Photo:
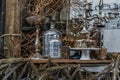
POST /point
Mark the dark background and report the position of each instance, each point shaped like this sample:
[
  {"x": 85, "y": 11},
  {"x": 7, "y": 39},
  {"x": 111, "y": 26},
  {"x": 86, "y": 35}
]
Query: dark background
[{"x": 2, "y": 22}]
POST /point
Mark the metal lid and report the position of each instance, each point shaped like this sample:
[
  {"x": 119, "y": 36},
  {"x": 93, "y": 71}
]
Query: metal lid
[{"x": 52, "y": 30}]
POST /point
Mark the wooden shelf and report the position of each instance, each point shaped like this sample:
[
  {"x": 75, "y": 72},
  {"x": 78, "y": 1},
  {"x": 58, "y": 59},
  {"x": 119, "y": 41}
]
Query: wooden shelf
[{"x": 71, "y": 61}]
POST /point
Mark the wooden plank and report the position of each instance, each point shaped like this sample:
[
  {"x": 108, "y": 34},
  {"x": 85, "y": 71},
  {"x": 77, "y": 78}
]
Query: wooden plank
[
  {"x": 57, "y": 61},
  {"x": 17, "y": 26},
  {"x": 70, "y": 61},
  {"x": 10, "y": 12},
  {"x": 9, "y": 25},
  {"x": 12, "y": 27}
]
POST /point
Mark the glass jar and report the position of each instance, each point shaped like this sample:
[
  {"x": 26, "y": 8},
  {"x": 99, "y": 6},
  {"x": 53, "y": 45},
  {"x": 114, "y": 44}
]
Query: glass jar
[
  {"x": 55, "y": 48},
  {"x": 47, "y": 37}
]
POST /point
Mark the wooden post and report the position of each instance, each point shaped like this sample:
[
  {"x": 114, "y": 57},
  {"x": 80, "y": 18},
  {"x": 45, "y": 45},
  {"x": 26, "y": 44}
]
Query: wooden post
[
  {"x": 17, "y": 27},
  {"x": 12, "y": 26},
  {"x": 10, "y": 8}
]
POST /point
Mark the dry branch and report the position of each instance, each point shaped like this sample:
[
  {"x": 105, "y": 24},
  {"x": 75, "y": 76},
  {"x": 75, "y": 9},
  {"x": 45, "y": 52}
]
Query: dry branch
[
  {"x": 12, "y": 70},
  {"x": 107, "y": 70},
  {"x": 75, "y": 72},
  {"x": 23, "y": 71},
  {"x": 115, "y": 70},
  {"x": 13, "y": 60}
]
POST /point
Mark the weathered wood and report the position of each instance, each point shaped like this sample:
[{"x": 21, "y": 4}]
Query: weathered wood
[
  {"x": 13, "y": 60},
  {"x": 12, "y": 27},
  {"x": 10, "y": 12},
  {"x": 9, "y": 23},
  {"x": 70, "y": 61},
  {"x": 108, "y": 69},
  {"x": 12, "y": 71},
  {"x": 22, "y": 72},
  {"x": 75, "y": 72},
  {"x": 57, "y": 61},
  {"x": 116, "y": 69},
  {"x": 49, "y": 68},
  {"x": 17, "y": 26}
]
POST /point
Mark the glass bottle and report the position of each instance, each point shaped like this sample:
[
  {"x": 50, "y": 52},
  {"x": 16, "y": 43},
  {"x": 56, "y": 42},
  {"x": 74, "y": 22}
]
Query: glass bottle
[
  {"x": 55, "y": 48},
  {"x": 47, "y": 37}
]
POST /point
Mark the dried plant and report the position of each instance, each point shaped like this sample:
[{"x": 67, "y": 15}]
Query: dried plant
[
  {"x": 19, "y": 68},
  {"x": 40, "y": 7}
]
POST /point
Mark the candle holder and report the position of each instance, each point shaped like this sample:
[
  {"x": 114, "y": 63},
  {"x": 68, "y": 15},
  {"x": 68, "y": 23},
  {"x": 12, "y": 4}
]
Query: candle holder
[{"x": 37, "y": 21}]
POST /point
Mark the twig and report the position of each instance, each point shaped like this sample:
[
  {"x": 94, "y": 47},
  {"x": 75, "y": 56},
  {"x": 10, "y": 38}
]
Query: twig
[
  {"x": 115, "y": 71},
  {"x": 75, "y": 72},
  {"x": 8, "y": 74},
  {"x": 23, "y": 70}
]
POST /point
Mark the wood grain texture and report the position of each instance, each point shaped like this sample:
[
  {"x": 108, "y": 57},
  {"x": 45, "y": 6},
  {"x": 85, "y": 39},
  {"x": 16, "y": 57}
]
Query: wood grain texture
[
  {"x": 12, "y": 26},
  {"x": 71, "y": 61}
]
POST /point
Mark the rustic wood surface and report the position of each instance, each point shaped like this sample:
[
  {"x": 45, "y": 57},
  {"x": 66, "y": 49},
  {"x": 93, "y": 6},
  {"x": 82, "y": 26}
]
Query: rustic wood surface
[
  {"x": 71, "y": 61},
  {"x": 63, "y": 61},
  {"x": 12, "y": 26}
]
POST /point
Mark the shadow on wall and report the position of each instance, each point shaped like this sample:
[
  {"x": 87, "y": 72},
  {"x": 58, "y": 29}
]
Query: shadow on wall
[{"x": 2, "y": 22}]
